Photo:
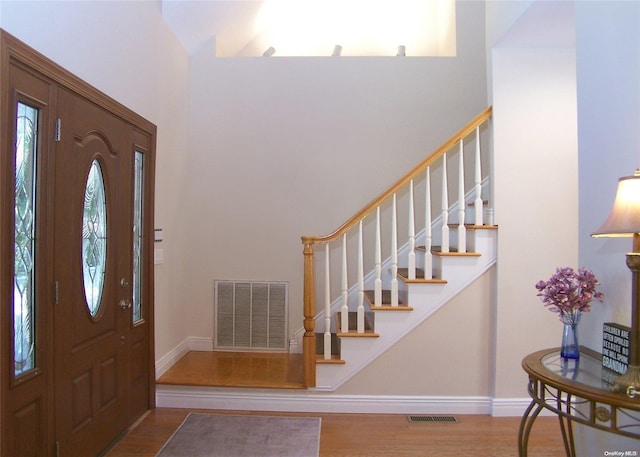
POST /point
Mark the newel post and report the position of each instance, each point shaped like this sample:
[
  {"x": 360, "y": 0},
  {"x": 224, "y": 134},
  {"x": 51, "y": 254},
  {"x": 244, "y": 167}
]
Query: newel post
[{"x": 309, "y": 340}]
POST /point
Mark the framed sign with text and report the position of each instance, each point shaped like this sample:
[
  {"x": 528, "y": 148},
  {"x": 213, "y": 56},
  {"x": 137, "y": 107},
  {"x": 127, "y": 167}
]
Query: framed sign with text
[{"x": 615, "y": 347}]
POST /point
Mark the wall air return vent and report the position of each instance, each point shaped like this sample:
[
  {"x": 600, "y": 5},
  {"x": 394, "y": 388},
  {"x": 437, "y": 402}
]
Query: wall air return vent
[{"x": 251, "y": 316}]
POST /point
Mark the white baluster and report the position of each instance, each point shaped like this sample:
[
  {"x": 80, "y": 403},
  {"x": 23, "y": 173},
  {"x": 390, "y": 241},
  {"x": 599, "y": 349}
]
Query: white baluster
[
  {"x": 428, "y": 261},
  {"x": 360, "y": 309},
  {"x": 377, "y": 288},
  {"x": 344, "y": 311},
  {"x": 478, "y": 183},
  {"x": 327, "y": 305},
  {"x": 412, "y": 236},
  {"x": 394, "y": 254},
  {"x": 462, "y": 230},
  {"x": 445, "y": 206}
]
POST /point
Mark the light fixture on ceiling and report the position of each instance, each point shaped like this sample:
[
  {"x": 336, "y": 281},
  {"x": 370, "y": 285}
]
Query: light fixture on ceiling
[
  {"x": 337, "y": 50},
  {"x": 402, "y": 50},
  {"x": 624, "y": 221},
  {"x": 269, "y": 52}
]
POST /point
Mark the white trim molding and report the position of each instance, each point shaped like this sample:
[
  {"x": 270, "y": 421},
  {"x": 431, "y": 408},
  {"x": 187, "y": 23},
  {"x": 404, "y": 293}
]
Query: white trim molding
[
  {"x": 509, "y": 407},
  {"x": 283, "y": 400},
  {"x": 190, "y": 344},
  {"x": 304, "y": 401}
]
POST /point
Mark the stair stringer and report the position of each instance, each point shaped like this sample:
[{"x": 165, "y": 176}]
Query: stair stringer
[{"x": 425, "y": 299}]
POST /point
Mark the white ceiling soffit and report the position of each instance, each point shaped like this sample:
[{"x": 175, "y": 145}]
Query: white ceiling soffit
[
  {"x": 196, "y": 22},
  {"x": 241, "y": 28},
  {"x": 543, "y": 25}
]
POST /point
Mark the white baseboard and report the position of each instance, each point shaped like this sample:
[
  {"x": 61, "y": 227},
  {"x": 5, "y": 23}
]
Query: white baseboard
[
  {"x": 190, "y": 344},
  {"x": 200, "y": 343},
  {"x": 170, "y": 358},
  {"x": 509, "y": 407},
  {"x": 504, "y": 407},
  {"x": 306, "y": 401},
  {"x": 315, "y": 400}
]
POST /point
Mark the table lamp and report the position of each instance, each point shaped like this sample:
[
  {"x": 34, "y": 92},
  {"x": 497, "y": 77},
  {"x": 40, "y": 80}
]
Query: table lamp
[{"x": 624, "y": 221}]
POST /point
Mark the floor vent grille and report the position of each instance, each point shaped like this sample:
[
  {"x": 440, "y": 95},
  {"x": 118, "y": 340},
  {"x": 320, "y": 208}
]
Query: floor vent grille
[{"x": 433, "y": 419}]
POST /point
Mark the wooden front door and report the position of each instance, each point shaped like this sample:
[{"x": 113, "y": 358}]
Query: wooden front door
[
  {"x": 92, "y": 273},
  {"x": 77, "y": 276}
]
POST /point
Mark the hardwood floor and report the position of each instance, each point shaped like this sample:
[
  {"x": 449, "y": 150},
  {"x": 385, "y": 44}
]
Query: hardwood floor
[
  {"x": 375, "y": 435},
  {"x": 237, "y": 369},
  {"x": 342, "y": 435}
]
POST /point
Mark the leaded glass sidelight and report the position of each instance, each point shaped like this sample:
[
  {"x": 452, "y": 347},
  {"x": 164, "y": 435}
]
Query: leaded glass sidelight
[
  {"x": 137, "y": 235},
  {"x": 24, "y": 244},
  {"x": 94, "y": 238}
]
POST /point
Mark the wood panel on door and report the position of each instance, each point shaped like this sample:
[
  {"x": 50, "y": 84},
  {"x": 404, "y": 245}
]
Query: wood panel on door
[{"x": 90, "y": 325}]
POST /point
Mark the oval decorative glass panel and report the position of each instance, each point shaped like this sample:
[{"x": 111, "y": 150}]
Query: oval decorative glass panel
[{"x": 94, "y": 238}]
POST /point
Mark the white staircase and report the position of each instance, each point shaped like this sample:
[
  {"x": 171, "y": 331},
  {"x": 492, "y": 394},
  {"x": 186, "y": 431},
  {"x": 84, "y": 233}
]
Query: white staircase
[
  {"x": 420, "y": 299},
  {"x": 358, "y": 320}
]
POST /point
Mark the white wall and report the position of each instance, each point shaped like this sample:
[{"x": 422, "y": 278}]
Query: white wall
[
  {"x": 284, "y": 147},
  {"x": 609, "y": 129},
  {"x": 449, "y": 353},
  {"x": 125, "y": 50},
  {"x": 536, "y": 181},
  {"x": 248, "y": 159},
  {"x": 499, "y": 18},
  {"x": 267, "y": 130},
  {"x": 608, "y": 63}
]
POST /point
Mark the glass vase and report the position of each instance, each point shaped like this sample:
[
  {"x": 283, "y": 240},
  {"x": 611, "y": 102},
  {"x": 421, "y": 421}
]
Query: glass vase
[{"x": 570, "y": 349}]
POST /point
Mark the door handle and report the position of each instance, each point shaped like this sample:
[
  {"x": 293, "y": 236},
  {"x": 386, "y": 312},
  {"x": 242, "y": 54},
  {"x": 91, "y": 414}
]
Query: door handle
[{"x": 125, "y": 304}]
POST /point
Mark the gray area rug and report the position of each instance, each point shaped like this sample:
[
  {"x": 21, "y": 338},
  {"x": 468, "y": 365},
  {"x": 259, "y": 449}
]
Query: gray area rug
[{"x": 217, "y": 435}]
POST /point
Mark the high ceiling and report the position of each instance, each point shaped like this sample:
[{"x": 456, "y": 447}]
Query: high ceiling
[
  {"x": 310, "y": 27},
  {"x": 229, "y": 22}
]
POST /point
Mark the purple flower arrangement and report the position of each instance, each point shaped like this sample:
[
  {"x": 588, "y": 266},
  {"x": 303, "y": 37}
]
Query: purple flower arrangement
[{"x": 569, "y": 292}]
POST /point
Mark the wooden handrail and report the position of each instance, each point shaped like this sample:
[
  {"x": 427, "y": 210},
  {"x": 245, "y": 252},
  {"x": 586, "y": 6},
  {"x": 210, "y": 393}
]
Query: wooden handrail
[{"x": 446, "y": 146}]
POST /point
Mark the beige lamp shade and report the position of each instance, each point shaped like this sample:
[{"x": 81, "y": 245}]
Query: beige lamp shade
[{"x": 624, "y": 219}]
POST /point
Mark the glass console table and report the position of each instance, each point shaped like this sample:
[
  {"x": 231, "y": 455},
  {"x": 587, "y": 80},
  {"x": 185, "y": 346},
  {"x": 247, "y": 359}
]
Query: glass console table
[{"x": 577, "y": 391}]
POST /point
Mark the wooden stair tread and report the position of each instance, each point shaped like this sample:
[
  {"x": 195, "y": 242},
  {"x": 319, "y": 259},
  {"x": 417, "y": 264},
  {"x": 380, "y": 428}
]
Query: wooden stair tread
[
  {"x": 334, "y": 360},
  {"x": 480, "y": 227},
  {"x": 355, "y": 334},
  {"x": 391, "y": 308},
  {"x": 475, "y": 227},
  {"x": 451, "y": 253},
  {"x": 423, "y": 281},
  {"x": 404, "y": 275}
]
